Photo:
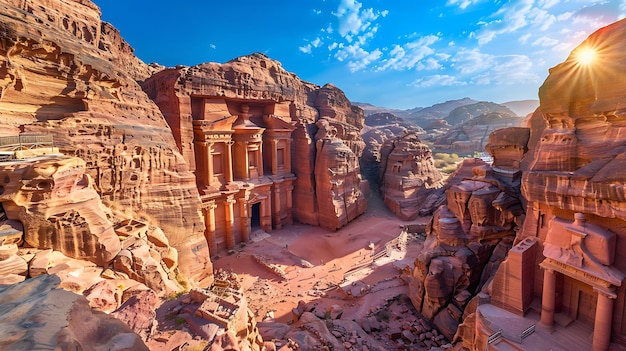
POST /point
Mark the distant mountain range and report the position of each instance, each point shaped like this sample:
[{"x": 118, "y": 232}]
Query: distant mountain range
[{"x": 419, "y": 115}]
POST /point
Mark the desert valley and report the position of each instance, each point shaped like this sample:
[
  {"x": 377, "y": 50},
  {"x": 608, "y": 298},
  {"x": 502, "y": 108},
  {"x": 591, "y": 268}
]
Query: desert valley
[{"x": 236, "y": 206}]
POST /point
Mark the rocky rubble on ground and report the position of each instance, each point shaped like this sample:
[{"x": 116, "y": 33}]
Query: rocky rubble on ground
[{"x": 393, "y": 326}]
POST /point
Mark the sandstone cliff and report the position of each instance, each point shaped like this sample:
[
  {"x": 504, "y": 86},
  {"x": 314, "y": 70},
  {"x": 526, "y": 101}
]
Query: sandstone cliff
[
  {"x": 408, "y": 174},
  {"x": 570, "y": 245},
  {"x": 478, "y": 213},
  {"x": 68, "y": 74}
]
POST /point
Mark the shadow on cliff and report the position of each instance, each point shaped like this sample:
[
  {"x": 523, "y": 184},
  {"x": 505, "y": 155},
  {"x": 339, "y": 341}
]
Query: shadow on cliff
[{"x": 58, "y": 108}]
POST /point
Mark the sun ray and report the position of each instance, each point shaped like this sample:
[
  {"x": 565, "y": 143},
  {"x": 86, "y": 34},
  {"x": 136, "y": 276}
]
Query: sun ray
[{"x": 586, "y": 56}]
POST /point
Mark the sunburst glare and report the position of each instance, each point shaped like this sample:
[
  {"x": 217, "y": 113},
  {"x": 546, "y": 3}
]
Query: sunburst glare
[{"x": 586, "y": 56}]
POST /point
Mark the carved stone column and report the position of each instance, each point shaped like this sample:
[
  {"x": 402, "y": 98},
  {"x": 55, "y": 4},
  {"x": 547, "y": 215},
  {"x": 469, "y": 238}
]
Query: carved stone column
[
  {"x": 259, "y": 159},
  {"x": 266, "y": 218},
  {"x": 289, "y": 204},
  {"x": 245, "y": 221},
  {"x": 228, "y": 171},
  {"x": 209, "y": 232},
  {"x": 287, "y": 157},
  {"x": 242, "y": 164},
  {"x": 276, "y": 208},
  {"x": 274, "y": 150},
  {"x": 603, "y": 322},
  {"x": 230, "y": 222},
  {"x": 209, "y": 158},
  {"x": 548, "y": 297}
]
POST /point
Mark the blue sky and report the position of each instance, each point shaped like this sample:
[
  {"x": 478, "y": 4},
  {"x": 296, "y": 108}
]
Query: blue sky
[{"x": 398, "y": 53}]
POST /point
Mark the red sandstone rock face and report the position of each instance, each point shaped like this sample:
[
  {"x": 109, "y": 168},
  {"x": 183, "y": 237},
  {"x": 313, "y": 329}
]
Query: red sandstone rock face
[
  {"x": 340, "y": 190},
  {"x": 581, "y": 144},
  {"x": 408, "y": 174},
  {"x": 59, "y": 208},
  {"x": 53, "y": 318},
  {"x": 262, "y": 83},
  {"x": 470, "y": 234},
  {"x": 77, "y": 82},
  {"x": 573, "y": 179}
]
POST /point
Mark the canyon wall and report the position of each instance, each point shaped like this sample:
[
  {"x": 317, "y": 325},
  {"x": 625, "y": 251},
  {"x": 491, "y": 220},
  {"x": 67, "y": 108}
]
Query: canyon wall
[
  {"x": 67, "y": 74},
  {"x": 569, "y": 253},
  {"x": 573, "y": 180}
]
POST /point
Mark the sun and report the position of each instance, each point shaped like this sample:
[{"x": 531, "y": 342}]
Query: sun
[{"x": 586, "y": 56}]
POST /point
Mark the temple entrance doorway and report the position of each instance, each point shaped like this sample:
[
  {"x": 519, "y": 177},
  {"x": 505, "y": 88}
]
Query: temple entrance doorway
[
  {"x": 580, "y": 300},
  {"x": 587, "y": 306},
  {"x": 255, "y": 218}
]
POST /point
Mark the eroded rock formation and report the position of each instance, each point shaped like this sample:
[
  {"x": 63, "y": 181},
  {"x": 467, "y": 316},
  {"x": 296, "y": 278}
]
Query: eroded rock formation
[
  {"x": 568, "y": 253},
  {"x": 70, "y": 75},
  {"x": 341, "y": 192},
  {"x": 574, "y": 183},
  {"x": 49, "y": 317},
  {"x": 469, "y": 235},
  {"x": 407, "y": 174},
  {"x": 59, "y": 208}
]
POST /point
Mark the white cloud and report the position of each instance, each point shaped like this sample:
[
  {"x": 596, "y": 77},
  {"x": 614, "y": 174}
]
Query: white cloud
[
  {"x": 545, "y": 42},
  {"x": 463, "y": 4},
  {"x": 468, "y": 61},
  {"x": 507, "y": 70},
  {"x": 430, "y": 64},
  {"x": 481, "y": 68},
  {"x": 546, "y": 4},
  {"x": 212, "y": 46},
  {"x": 333, "y": 46},
  {"x": 524, "y": 38},
  {"x": 305, "y": 49},
  {"x": 541, "y": 18},
  {"x": 408, "y": 55},
  {"x": 353, "y": 20},
  {"x": 358, "y": 58},
  {"x": 317, "y": 42},
  {"x": 317, "y": 12},
  {"x": 436, "y": 80},
  {"x": 362, "y": 39},
  {"x": 508, "y": 19},
  {"x": 565, "y": 16}
]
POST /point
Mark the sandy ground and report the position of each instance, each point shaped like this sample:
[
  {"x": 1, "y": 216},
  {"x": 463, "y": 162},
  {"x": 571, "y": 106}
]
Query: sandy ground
[{"x": 337, "y": 259}]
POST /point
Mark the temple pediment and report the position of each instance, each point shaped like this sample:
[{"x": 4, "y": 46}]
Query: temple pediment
[{"x": 583, "y": 251}]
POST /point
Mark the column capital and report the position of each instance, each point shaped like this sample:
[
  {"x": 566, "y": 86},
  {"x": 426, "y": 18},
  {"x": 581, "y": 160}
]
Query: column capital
[{"x": 606, "y": 292}]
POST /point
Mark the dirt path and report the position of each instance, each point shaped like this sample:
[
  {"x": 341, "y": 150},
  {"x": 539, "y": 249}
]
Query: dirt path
[{"x": 318, "y": 263}]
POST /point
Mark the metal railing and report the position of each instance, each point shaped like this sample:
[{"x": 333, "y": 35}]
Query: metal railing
[{"x": 25, "y": 142}]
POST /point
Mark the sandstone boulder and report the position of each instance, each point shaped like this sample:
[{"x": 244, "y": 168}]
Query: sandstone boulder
[{"x": 50, "y": 317}]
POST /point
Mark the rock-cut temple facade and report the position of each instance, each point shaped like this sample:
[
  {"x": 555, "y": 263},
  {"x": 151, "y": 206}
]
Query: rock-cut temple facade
[
  {"x": 260, "y": 140},
  {"x": 241, "y": 152}
]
